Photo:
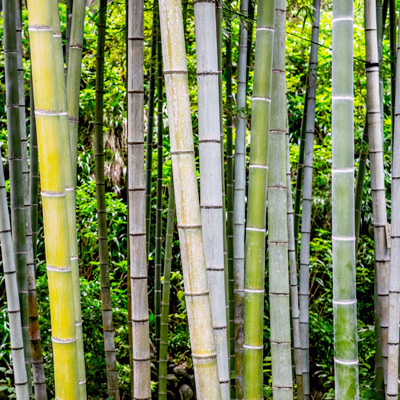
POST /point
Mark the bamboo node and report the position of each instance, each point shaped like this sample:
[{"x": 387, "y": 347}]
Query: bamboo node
[{"x": 63, "y": 340}]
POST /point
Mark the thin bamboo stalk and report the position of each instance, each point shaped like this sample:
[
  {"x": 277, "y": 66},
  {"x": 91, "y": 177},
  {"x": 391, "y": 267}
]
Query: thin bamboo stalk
[
  {"x": 343, "y": 232},
  {"x": 159, "y": 205},
  {"x": 53, "y": 199},
  {"x": 136, "y": 188},
  {"x": 250, "y": 38},
  {"x": 13, "y": 308},
  {"x": 394, "y": 284},
  {"x": 256, "y": 205},
  {"x": 104, "y": 258},
  {"x": 307, "y": 201},
  {"x": 14, "y": 125},
  {"x": 149, "y": 138},
  {"x": 375, "y": 136},
  {"x": 239, "y": 199},
  {"x": 210, "y": 178},
  {"x": 294, "y": 288},
  {"x": 187, "y": 202},
  {"x": 73, "y": 89},
  {"x": 279, "y": 292},
  {"x": 162, "y": 363}
]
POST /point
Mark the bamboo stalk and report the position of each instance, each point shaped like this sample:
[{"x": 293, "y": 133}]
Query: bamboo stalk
[
  {"x": 239, "y": 199},
  {"x": 393, "y": 56},
  {"x": 257, "y": 196},
  {"x": 162, "y": 363},
  {"x": 394, "y": 284},
  {"x": 15, "y": 157},
  {"x": 375, "y": 136},
  {"x": 307, "y": 201},
  {"x": 343, "y": 232},
  {"x": 136, "y": 187},
  {"x": 294, "y": 289},
  {"x": 13, "y": 307},
  {"x": 210, "y": 178},
  {"x": 53, "y": 199},
  {"x": 279, "y": 297},
  {"x": 104, "y": 258},
  {"x": 187, "y": 202}
]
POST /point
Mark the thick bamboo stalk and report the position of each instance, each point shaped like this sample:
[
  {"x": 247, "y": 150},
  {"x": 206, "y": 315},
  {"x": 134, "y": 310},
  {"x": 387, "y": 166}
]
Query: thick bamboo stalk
[
  {"x": 149, "y": 136},
  {"x": 279, "y": 292},
  {"x": 294, "y": 288},
  {"x": 375, "y": 136},
  {"x": 256, "y": 205},
  {"x": 392, "y": 389},
  {"x": 210, "y": 178},
  {"x": 54, "y": 199},
  {"x": 162, "y": 363},
  {"x": 239, "y": 199},
  {"x": 187, "y": 202},
  {"x": 250, "y": 39},
  {"x": 343, "y": 233},
  {"x": 7, "y": 252},
  {"x": 307, "y": 201},
  {"x": 159, "y": 205},
  {"x": 68, "y": 33},
  {"x": 15, "y": 158},
  {"x": 104, "y": 258},
  {"x": 73, "y": 89},
  {"x": 136, "y": 187}
]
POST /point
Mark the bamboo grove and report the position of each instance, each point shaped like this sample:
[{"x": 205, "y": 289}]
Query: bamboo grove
[{"x": 233, "y": 177}]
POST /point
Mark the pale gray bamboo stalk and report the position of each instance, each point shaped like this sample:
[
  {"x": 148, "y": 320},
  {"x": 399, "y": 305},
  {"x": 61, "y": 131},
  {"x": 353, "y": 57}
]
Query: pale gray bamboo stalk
[
  {"x": 294, "y": 288},
  {"x": 392, "y": 389},
  {"x": 239, "y": 209},
  {"x": 279, "y": 297},
  {"x": 137, "y": 204},
  {"x": 375, "y": 139},
  {"x": 343, "y": 232},
  {"x": 187, "y": 202},
  {"x": 210, "y": 178},
  {"x": 307, "y": 201},
  {"x": 13, "y": 308}
]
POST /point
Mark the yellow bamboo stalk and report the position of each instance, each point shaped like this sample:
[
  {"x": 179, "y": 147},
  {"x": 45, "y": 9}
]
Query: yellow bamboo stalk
[{"x": 54, "y": 202}]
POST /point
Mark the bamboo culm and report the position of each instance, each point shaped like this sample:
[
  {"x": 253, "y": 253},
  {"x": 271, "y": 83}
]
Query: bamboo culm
[
  {"x": 256, "y": 210},
  {"x": 343, "y": 232},
  {"x": 136, "y": 188},
  {"x": 239, "y": 200},
  {"x": 375, "y": 140},
  {"x": 17, "y": 192},
  {"x": 162, "y": 362},
  {"x": 392, "y": 389},
  {"x": 210, "y": 178},
  {"x": 104, "y": 258},
  {"x": 307, "y": 201},
  {"x": 51, "y": 151},
  {"x": 187, "y": 202}
]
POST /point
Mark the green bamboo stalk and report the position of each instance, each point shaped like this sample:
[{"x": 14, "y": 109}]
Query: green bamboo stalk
[
  {"x": 307, "y": 200},
  {"x": 294, "y": 288},
  {"x": 159, "y": 205},
  {"x": 211, "y": 177},
  {"x": 394, "y": 285},
  {"x": 393, "y": 56},
  {"x": 51, "y": 150},
  {"x": 149, "y": 136},
  {"x": 104, "y": 258},
  {"x": 279, "y": 297},
  {"x": 16, "y": 171},
  {"x": 362, "y": 167},
  {"x": 257, "y": 196},
  {"x": 250, "y": 39},
  {"x": 239, "y": 199},
  {"x": 73, "y": 89},
  {"x": 343, "y": 232},
  {"x": 68, "y": 33},
  {"x": 136, "y": 188},
  {"x": 7, "y": 252},
  {"x": 375, "y": 136},
  {"x": 162, "y": 363},
  {"x": 187, "y": 202}
]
